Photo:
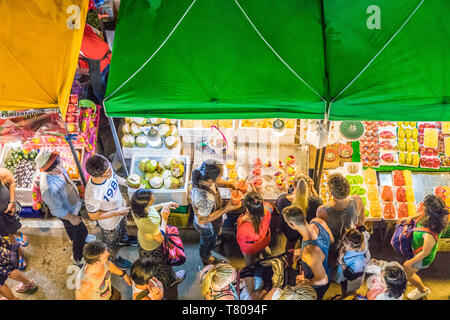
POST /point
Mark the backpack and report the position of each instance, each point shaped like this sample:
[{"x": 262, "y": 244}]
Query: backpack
[
  {"x": 173, "y": 247},
  {"x": 401, "y": 241}
]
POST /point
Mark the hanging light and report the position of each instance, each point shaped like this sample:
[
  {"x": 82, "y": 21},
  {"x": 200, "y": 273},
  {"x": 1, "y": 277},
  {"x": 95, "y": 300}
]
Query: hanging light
[{"x": 279, "y": 127}]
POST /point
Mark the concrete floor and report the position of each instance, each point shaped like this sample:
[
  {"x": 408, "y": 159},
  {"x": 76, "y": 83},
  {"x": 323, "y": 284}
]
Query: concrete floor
[{"x": 49, "y": 253}]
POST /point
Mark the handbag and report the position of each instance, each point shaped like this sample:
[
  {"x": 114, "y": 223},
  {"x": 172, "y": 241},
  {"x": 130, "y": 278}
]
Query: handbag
[
  {"x": 172, "y": 247},
  {"x": 10, "y": 224}
]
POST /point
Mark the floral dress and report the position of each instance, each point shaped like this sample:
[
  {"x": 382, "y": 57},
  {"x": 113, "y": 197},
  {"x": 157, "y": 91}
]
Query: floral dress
[{"x": 7, "y": 260}]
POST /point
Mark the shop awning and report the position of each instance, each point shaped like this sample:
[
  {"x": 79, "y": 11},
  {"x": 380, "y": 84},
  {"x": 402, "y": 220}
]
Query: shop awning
[
  {"x": 39, "y": 46},
  {"x": 202, "y": 59}
]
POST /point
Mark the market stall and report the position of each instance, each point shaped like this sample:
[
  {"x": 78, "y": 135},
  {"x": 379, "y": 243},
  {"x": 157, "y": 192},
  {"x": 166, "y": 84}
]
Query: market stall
[{"x": 350, "y": 66}]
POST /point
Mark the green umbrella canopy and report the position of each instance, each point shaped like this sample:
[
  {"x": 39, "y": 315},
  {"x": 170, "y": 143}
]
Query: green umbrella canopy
[{"x": 205, "y": 59}]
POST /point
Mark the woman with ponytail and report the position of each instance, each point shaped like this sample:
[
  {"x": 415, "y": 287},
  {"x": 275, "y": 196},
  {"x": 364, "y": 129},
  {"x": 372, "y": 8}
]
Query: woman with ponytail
[
  {"x": 208, "y": 206},
  {"x": 432, "y": 223},
  {"x": 303, "y": 195}
]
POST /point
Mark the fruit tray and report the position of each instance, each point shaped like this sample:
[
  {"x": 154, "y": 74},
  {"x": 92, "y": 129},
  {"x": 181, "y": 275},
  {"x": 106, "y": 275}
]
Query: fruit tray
[
  {"x": 163, "y": 195},
  {"x": 389, "y": 211},
  {"x": 23, "y": 195}
]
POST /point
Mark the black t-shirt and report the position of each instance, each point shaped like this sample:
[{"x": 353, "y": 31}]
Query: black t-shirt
[{"x": 282, "y": 202}]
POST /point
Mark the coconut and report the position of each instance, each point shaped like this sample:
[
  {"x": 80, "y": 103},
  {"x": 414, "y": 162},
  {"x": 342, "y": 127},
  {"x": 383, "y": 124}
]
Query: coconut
[
  {"x": 129, "y": 120},
  {"x": 150, "y": 166},
  {"x": 128, "y": 141},
  {"x": 126, "y": 128},
  {"x": 170, "y": 142},
  {"x": 135, "y": 129},
  {"x": 173, "y": 121},
  {"x": 180, "y": 182},
  {"x": 140, "y": 121},
  {"x": 178, "y": 170},
  {"x": 173, "y": 130},
  {"x": 145, "y": 184},
  {"x": 141, "y": 141},
  {"x": 164, "y": 130},
  {"x": 171, "y": 183},
  {"x": 154, "y": 139},
  {"x": 148, "y": 176},
  {"x": 154, "y": 121},
  {"x": 142, "y": 164},
  {"x": 167, "y": 163},
  {"x": 156, "y": 182},
  {"x": 166, "y": 174},
  {"x": 134, "y": 181}
]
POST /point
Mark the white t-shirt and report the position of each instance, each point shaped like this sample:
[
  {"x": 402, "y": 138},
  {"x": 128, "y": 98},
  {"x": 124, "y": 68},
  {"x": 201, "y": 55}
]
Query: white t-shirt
[{"x": 104, "y": 197}]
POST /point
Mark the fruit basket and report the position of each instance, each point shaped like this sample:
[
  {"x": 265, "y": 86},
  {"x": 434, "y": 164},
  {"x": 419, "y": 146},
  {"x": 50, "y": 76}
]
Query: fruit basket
[{"x": 162, "y": 174}]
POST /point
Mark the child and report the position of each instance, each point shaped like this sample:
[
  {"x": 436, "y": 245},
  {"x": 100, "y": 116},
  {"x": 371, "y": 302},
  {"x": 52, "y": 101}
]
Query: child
[
  {"x": 353, "y": 257},
  {"x": 388, "y": 282},
  {"x": 145, "y": 285}
]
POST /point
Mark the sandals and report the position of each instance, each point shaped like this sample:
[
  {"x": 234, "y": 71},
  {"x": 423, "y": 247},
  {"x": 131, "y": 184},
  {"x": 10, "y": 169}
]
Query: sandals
[
  {"x": 22, "y": 263},
  {"x": 213, "y": 261},
  {"x": 22, "y": 240},
  {"x": 21, "y": 288}
]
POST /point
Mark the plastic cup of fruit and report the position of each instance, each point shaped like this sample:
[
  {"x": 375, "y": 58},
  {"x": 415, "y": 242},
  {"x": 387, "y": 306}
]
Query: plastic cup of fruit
[
  {"x": 236, "y": 197},
  {"x": 242, "y": 185}
]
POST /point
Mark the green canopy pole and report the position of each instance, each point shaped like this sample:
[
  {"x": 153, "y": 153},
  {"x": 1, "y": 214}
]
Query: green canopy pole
[{"x": 117, "y": 143}]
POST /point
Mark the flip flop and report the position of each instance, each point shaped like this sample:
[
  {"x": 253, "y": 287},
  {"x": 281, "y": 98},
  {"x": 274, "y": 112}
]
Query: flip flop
[
  {"x": 22, "y": 264},
  {"x": 22, "y": 240}
]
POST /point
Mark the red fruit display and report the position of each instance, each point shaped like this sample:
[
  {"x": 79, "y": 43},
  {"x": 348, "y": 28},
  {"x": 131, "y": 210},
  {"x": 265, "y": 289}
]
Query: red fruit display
[
  {"x": 400, "y": 194},
  {"x": 402, "y": 211},
  {"x": 430, "y": 162},
  {"x": 389, "y": 211},
  {"x": 387, "y": 135},
  {"x": 386, "y": 145},
  {"x": 387, "y": 194},
  {"x": 399, "y": 180}
]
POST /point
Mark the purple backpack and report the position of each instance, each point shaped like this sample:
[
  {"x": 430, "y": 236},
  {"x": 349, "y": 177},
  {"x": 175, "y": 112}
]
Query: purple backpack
[{"x": 402, "y": 239}]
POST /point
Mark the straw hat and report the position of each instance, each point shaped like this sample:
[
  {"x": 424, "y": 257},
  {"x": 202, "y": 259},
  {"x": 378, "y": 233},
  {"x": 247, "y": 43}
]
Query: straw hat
[{"x": 45, "y": 159}]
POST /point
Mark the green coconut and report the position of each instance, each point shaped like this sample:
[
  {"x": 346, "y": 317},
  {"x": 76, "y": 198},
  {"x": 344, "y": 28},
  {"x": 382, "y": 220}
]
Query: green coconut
[
  {"x": 134, "y": 181},
  {"x": 171, "y": 183},
  {"x": 128, "y": 141},
  {"x": 151, "y": 166},
  {"x": 156, "y": 182},
  {"x": 142, "y": 164}
]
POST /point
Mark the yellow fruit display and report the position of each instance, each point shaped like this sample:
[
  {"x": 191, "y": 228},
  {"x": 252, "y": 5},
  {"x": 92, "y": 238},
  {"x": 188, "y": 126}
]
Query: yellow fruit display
[
  {"x": 416, "y": 146},
  {"x": 370, "y": 176},
  {"x": 401, "y": 146},
  {"x": 415, "y": 133},
  {"x": 401, "y": 133},
  {"x": 412, "y": 209},
  {"x": 409, "y": 194},
  {"x": 375, "y": 209},
  {"x": 445, "y": 126},
  {"x": 447, "y": 146},
  {"x": 412, "y": 124},
  {"x": 416, "y": 160},
  {"x": 408, "y": 134},
  {"x": 407, "y": 175},
  {"x": 409, "y": 159},
  {"x": 372, "y": 193},
  {"x": 430, "y": 138},
  {"x": 402, "y": 158},
  {"x": 409, "y": 146},
  {"x": 400, "y": 124}
]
